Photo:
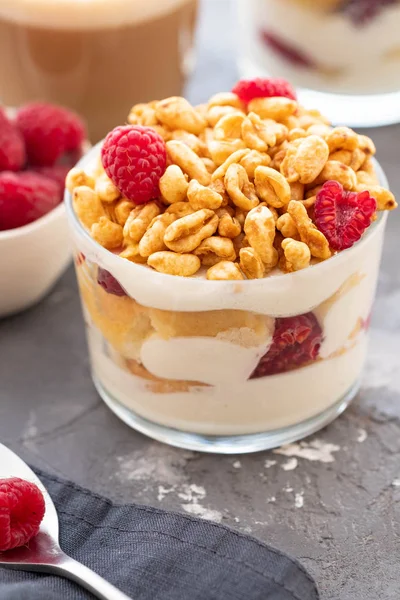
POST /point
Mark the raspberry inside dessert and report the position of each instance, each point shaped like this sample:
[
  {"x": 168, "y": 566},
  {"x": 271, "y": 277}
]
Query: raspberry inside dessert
[{"x": 296, "y": 342}]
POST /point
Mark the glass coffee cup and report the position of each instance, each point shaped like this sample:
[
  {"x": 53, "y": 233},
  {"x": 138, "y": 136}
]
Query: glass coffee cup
[
  {"x": 343, "y": 54},
  {"x": 185, "y": 360},
  {"x": 95, "y": 56}
]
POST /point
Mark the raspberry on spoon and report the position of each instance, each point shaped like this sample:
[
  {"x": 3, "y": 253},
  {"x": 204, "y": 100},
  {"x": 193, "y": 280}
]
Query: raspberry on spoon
[
  {"x": 25, "y": 197},
  {"x": 248, "y": 89},
  {"x": 22, "y": 509},
  {"x": 343, "y": 216},
  {"x": 135, "y": 157}
]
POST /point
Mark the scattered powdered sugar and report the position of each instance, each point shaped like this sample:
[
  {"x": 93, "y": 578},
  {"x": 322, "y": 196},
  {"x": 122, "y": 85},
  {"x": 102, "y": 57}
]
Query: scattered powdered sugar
[
  {"x": 163, "y": 492},
  {"x": 269, "y": 463},
  {"x": 290, "y": 465},
  {"x": 154, "y": 464},
  {"x": 361, "y": 435},
  {"x": 237, "y": 464},
  {"x": 204, "y": 513},
  {"x": 271, "y": 499},
  {"x": 299, "y": 500},
  {"x": 288, "y": 489},
  {"x": 192, "y": 494},
  {"x": 396, "y": 483},
  {"x": 316, "y": 450}
]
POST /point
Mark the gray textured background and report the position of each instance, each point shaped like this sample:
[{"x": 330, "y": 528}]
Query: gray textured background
[{"x": 340, "y": 518}]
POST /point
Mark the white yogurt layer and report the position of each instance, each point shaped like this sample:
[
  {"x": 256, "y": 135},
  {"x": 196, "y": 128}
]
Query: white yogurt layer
[
  {"x": 204, "y": 359},
  {"x": 351, "y": 59},
  {"x": 85, "y": 14},
  {"x": 237, "y": 407}
]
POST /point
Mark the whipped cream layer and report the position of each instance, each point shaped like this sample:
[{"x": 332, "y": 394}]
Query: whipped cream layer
[
  {"x": 208, "y": 360},
  {"x": 85, "y": 14},
  {"x": 348, "y": 58},
  {"x": 237, "y": 408}
]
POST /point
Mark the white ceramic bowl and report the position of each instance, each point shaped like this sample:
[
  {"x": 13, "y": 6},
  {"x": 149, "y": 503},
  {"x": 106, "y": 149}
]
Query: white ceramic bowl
[{"x": 32, "y": 259}]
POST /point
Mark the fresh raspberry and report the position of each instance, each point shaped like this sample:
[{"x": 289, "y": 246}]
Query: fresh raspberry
[
  {"x": 24, "y": 197},
  {"x": 12, "y": 147},
  {"x": 109, "y": 283},
  {"x": 248, "y": 89},
  {"x": 134, "y": 158},
  {"x": 58, "y": 173},
  {"x": 22, "y": 509},
  {"x": 343, "y": 216},
  {"x": 362, "y": 12},
  {"x": 49, "y": 131},
  {"x": 296, "y": 342},
  {"x": 287, "y": 51}
]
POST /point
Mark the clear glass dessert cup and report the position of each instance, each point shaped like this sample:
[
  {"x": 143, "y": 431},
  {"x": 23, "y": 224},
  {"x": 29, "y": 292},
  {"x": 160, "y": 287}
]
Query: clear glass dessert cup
[
  {"x": 342, "y": 55},
  {"x": 226, "y": 366}
]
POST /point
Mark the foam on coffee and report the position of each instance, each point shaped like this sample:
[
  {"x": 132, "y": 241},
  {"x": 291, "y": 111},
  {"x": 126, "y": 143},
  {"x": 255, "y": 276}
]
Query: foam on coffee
[{"x": 84, "y": 14}]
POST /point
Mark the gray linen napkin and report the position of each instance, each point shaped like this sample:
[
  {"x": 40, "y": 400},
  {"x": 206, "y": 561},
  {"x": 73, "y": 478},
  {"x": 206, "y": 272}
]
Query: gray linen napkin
[{"x": 151, "y": 554}]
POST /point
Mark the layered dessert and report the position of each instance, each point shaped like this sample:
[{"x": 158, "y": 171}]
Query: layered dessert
[
  {"x": 338, "y": 46},
  {"x": 227, "y": 256}
]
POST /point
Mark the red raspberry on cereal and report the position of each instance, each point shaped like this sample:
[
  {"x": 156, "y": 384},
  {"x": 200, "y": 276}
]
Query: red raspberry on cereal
[
  {"x": 134, "y": 158},
  {"x": 22, "y": 509},
  {"x": 49, "y": 132},
  {"x": 343, "y": 216},
  {"x": 248, "y": 89},
  {"x": 12, "y": 147}
]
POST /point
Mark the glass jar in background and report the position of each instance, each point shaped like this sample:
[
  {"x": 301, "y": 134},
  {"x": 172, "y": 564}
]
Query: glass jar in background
[
  {"x": 96, "y": 57},
  {"x": 344, "y": 54}
]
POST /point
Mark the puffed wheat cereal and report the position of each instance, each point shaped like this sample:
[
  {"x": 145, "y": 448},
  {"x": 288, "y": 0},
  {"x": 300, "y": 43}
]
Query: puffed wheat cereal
[
  {"x": 107, "y": 234},
  {"x": 173, "y": 263},
  {"x": 173, "y": 185},
  {"x": 251, "y": 263},
  {"x": 224, "y": 271},
  {"x": 239, "y": 191},
  {"x": 297, "y": 255},
  {"x": 309, "y": 234},
  {"x": 87, "y": 205}
]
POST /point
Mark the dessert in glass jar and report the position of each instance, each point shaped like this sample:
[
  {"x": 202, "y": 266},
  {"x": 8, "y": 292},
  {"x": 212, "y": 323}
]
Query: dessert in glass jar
[
  {"x": 345, "y": 54},
  {"x": 227, "y": 256}
]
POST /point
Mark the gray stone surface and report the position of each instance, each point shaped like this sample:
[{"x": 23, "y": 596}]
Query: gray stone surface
[{"x": 340, "y": 518}]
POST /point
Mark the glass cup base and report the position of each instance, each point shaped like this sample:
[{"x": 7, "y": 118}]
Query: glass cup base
[
  {"x": 235, "y": 444},
  {"x": 364, "y": 110}
]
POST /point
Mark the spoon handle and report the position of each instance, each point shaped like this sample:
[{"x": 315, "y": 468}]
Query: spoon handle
[{"x": 85, "y": 577}]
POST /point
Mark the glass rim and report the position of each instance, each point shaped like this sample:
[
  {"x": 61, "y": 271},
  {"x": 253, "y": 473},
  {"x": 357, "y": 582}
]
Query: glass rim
[{"x": 136, "y": 268}]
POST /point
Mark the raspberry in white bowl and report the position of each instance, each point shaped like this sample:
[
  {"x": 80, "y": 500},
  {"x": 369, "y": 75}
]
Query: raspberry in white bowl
[
  {"x": 38, "y": 145},
  {"x": 227, "y": 258}
]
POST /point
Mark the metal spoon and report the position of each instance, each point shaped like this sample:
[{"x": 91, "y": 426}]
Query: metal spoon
[{"x": 44, "y": 553}]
